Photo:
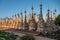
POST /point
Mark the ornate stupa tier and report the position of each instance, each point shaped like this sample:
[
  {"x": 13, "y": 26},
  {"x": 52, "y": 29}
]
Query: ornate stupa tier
[
  {"x": 20, "y": 21},
  {"x": 40, "y": 25},
  {"x": 35, "y": 18},
  {"x": 25, "y": 22}
]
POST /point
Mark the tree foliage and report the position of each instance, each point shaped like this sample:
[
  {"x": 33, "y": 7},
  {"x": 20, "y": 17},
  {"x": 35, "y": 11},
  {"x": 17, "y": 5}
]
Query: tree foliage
[{"x": 57, "y": 20}]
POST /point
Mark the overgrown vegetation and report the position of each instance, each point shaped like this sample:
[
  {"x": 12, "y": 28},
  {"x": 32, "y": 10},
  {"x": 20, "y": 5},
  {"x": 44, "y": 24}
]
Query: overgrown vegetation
[
  {"x": 57, "y": 21},
  {"x": 27, "y": 37},
  {"x": 58, "y": 35},
  {"x": 7, "y": 36}
]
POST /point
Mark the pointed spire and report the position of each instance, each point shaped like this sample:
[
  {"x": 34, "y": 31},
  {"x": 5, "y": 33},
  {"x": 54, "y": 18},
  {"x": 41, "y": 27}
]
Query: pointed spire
[
  {"x": 25, "y": 11},
  {"x": 55, "y": 10},
  {"x": 25, "y": 16},
  {"x": 46, "y": 17},
  {"x": 51, "y": 15},
  {"x": 41, "y": 16},
  {"x": 29, "y": 18},
  {"x": 21, "y": 14},
  {"x": 48, "y": 13},
  {"x": 25, "y": 21},
  {"x": 32, "y": 11},
  {"x": 15, "y": 16},
  {"x": 18, "y": 15},
  {"x": 32, "y": 7},
  {"x": 54, "y": 15}
]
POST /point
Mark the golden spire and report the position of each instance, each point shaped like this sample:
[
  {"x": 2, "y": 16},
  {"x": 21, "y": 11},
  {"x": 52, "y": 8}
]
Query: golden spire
[
  {"x": 32, "y": 12},
  {"x": 54, "y": 15},
  {"x": 41, "y": 16},
  {"x": 47, "y": 15},
  {"x": 18, "y": 15},
  {"x": 25, "y": 16},
  {"x": 51, "y": 15}
]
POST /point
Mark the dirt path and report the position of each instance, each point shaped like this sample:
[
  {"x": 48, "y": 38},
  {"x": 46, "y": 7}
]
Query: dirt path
[{"x": 36, "y": 37}]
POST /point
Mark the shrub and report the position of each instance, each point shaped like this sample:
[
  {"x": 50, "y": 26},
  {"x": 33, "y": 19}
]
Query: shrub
[
  {"x": 27, "y": 37},
  {"x": 7, "y": 36}
]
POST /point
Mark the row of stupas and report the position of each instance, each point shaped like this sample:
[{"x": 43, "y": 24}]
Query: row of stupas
[{"x": 32, "y": 22}]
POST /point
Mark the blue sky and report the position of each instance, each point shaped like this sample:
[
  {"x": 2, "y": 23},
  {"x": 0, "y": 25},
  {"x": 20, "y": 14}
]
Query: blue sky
[{"x": 12, "y": 7}]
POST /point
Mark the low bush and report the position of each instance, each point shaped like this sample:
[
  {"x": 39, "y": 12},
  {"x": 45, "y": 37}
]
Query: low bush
[
  {"x": 7, "y": 36},
  {"x": 27, "y": 37}
]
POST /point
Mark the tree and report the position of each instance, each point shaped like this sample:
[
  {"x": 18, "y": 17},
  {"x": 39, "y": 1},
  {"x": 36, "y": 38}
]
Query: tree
[{"x": 57, "y": 20}]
